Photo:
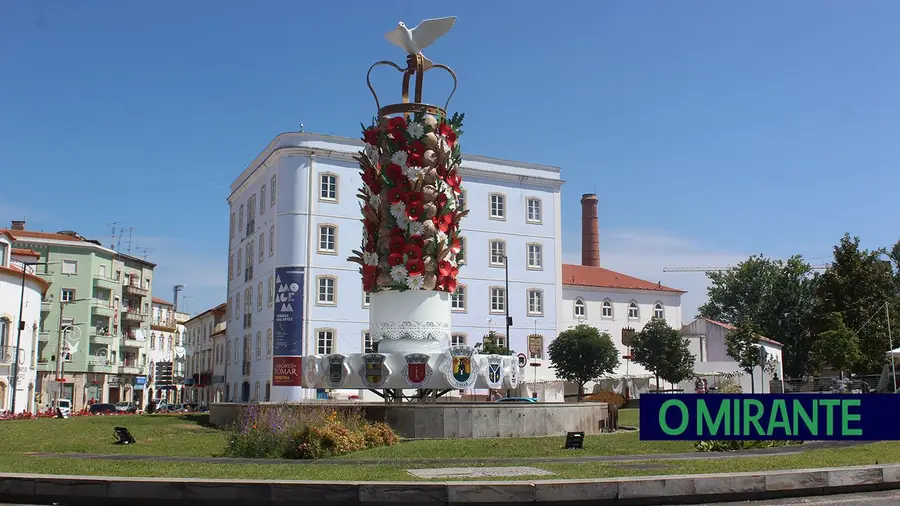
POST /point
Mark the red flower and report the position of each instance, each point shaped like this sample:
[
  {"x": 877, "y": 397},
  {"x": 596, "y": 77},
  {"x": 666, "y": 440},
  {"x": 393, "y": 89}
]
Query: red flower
[
  {"x": 454, "y": 181},
  {"x": 370, "y": 273},
  {"x": 397, "y": 123},
  {"x": 456, "y": 246},
  {"x": 415, "y": 212},
  {"x": 414, "y": 198},
  {"x": 398, "y": 242},
  {"x": 415, "y": 266},
  {"x": 372, "y": 181},
  {"x": 395, "y": 173},
  {"x": 416, "y": 147},
  {"x": 412, "y": 250},
  {"x": 418, "y": 240},
  {"x": 370, "y": 245},
  {"x": 445, "y": 268},
  {"x": 443, "y": 223},
  {"x": 447, "y": 131},
  {"x": 441, "y": 200},
  {"x": 395, "y": 259},
  {"x": 370, "y": 135},
  {"x": 414, "y": 160},
  {"x": 449, "y": 284},
  {"x": 395, "y": 195}
]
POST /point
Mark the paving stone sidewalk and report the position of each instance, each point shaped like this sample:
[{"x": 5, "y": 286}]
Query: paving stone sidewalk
[{"x": 783, "y": 450}]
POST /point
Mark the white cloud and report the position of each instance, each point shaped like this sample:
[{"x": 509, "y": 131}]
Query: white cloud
[{"x": 644, "y": 254}]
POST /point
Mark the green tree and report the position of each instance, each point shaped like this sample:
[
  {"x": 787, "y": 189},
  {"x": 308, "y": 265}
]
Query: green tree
[
  {"x": 663, "y": 351},
  {"x": 857, "y": 285},
  {"x": 777, "y": 296},
  {"x": 491, "y": 345},
  {"x": 742, "y": 344},
  {"x": 582, "y": 354},
  {"x": 838, "y": 346}
]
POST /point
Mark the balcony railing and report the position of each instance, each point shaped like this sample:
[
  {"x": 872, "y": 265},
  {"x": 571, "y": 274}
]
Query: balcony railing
[
  {"x": 134, "y": 289},
  {"x": 105, "y": 282},
  {"x": 102, "y": 307},
  {"x": 163, "y": 323},
  {"x": 134, "y": 316},
  {"x": 220, "y": 327},
  {"x": 131, "y": 342}
]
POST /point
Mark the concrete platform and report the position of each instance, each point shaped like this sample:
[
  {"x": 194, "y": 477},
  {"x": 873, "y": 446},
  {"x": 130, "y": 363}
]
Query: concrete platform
[
  {"x": 645, "y": 491},
  {"x": 452, "y": 420}
]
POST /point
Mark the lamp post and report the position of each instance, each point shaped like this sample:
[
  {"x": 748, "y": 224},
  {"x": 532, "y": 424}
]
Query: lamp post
[
  {"x": 15, "y": 366},
  {"x": 506, "y": 296},
  {"x": 60, "y": 363}
]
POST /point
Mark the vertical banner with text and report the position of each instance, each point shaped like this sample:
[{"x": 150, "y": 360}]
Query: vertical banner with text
[{"x": 287, "y": 360}]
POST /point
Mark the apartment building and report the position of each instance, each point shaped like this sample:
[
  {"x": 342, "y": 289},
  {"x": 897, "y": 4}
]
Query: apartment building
[
  {"x": 167, "y": 337},
  {"x": 200, "y": 333},
  {"x": 94, "y": 319},
  {"x": 295, "y": 206}
]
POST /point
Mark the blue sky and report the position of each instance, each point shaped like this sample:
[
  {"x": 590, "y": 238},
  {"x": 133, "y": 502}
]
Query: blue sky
[{"x": 710, "y": 130}]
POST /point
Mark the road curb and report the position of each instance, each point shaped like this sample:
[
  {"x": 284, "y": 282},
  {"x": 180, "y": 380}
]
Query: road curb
[{"x": 650, "y": 490}]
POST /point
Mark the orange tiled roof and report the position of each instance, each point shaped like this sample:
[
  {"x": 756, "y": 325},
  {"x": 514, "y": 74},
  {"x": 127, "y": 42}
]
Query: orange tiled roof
[
  {"x": 25, "y": 252},
  {"x": 728, "y": 326},
  {"x": 37, "y": 279},
  {"x": 581, "y": 275},
  {"x": 157, "y": 300},
  {"x": 25, "y": 234}
]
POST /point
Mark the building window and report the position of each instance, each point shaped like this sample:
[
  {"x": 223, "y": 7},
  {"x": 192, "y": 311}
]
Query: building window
[
  {"x": 498, "y": 300},
  {"x": 67, "y": 295},
  {"x": 658, "y": 311},
  {"x": 152, "y": 341},
  {"x": 535, "y": 302},
  {"x": 326, "y": 290},
  {"x": 228, "y": 309},
  {"x": 328, "y": 187},
  {"x": 262, "y": 246},
  {"x": 268, "y": 343},
  {"x": 580, "y": 308},
  {"x": 498, "y": 206},
  {"x": 461, "y": 256},
  {"x": 461, "y": 200},
  {"x": 271, "y": 291},
  {"x": 241, "y": 218},
  {"x": 262, "y": 200},
  {"x": 328, "y": 239},
  {"x": 256, "y": 392},
  {"x": 633, "y": 310},
  {"x": 536, "y": 346},
  {"x": 457, "y": 339},
  {"x": 238, "y": 266},
  {"x": 251, "y": 215},
  {"x": 69, "y": 267},
  {"x": 498, "y": 252},
  {"x": 258, "y": 345},
  {"x": 533, "y": 210},
  {"x": 237, "y": 304},
  {"x": 368, "y": 345},
  {"x": 272, "y": 240},
  {"x": 272, "y": 195},
  {"x": 259, "y": 296},
  {"x": 535, "y": 256},
  {"x": 367, "y": 299},
  {"x": 325, "y": 341},
  {"x": 607, "y": 309},
  {"x": 230, "y": 266},
  {"x": 268, "y": 391},
  {"x": 458, "y": 299},
  {"x": 231, "y": 225}
]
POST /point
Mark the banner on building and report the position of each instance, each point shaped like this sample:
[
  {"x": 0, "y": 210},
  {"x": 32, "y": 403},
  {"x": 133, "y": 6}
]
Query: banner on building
[
  {"x": 288, "y": 319},
  {"x": 287, "y": 371}
]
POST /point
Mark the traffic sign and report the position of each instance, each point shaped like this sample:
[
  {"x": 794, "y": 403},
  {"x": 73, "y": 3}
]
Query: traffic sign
[{"x": 523, "y": 360}]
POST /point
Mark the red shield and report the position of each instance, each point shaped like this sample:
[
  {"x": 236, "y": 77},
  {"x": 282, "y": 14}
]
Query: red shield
[{"x": 416, "y": 373}]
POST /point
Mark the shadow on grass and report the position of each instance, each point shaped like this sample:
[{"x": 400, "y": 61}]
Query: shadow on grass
[{"x": 201, "y": 419}]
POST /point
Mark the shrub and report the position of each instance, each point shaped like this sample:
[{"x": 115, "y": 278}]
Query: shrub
[
  {"x": 730, "y": 388},
  {"x": 304, "y": 432},
  {"x": 608, "y": 397}
]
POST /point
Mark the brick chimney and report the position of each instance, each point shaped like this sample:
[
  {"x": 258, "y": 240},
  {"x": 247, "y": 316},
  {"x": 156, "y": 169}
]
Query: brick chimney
[
  {"x": 17, "y": 225},
  {"x": 590, "y": 231}
]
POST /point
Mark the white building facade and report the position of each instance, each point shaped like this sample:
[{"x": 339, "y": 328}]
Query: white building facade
[
  {"x": 296, "y": 206},
  {"x": 18, "y": 358},
  {"x": 199, "y": 334},
  {"x": 166, "y": 346}
]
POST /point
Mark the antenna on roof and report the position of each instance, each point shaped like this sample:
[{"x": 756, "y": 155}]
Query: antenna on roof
[
  {"x": 144, "y": 250},
  {"x": 130, "y": 229},
  {"x": 112, "y": 244}
]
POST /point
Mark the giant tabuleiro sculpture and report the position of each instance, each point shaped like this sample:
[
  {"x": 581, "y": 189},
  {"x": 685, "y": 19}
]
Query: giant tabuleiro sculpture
[{"x": 411, "y": 251}]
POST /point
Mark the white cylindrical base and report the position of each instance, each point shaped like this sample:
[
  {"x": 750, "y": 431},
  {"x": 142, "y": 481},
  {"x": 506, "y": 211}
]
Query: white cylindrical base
[{"x": 415, "y": 321}]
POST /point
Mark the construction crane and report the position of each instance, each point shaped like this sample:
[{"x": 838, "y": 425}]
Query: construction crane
[{"x": 723, "y": 269}]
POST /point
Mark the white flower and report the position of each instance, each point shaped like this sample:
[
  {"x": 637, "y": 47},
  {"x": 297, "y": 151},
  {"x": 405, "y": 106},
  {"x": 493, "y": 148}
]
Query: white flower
[
  {"x": 412, "y": 172},
  {"x": 370, "y": 258},
  {"x": 445, "y": 147},
  {"x": 375, "y": 200},
  {"x": 441, "y": 237},
  {"x": 415, "y": 282},
  {"x": 398, "y": 273},
  {"x": 415, "y": 130},
  {"x": 400, "y": 158},
  {"x": 416, "y": 228},
  {"x": 398, "y": 211}
]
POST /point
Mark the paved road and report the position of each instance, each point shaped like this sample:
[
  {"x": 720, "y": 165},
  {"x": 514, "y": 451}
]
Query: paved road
[{"x": 889, "y": 498}]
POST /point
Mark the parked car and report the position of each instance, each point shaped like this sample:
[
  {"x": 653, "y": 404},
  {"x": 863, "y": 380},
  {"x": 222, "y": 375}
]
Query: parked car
[
  {"x": 527, "y": 400},
  {"x": 126, "y": 407},
  {"x": 63, "y": 406},
  {"x": 103, "y": 409}
]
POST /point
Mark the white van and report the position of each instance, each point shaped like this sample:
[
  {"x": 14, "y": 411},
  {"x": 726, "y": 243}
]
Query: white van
[{"x": 64, "y": 406}]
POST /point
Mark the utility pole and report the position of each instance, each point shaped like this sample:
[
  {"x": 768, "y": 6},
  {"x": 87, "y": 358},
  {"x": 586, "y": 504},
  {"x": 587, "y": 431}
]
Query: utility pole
[
  {"x": 14, "y": 380},
  {"x": 59, "y": 350},
  {"x": 887, "y": 313},
  {"x": 506, "y": 297},
  {"x": 175, "y": 289}
]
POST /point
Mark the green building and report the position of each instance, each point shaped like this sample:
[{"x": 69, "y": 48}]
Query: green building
[{"x": 99, "y": 301}]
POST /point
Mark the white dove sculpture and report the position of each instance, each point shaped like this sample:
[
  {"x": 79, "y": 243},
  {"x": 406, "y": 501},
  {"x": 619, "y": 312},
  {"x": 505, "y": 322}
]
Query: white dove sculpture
[{"x": 420, "y": 37}]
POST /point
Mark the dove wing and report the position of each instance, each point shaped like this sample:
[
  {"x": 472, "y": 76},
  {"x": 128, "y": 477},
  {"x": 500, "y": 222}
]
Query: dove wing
[
  {"x": 430, "y": 30},
  {"x": 395, "y": 36}
]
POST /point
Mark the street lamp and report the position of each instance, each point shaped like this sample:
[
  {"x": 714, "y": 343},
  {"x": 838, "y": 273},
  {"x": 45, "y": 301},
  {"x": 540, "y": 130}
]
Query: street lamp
[
  {"x": 60, "y": 363},
  {"x": 506, "y": 296},
  {"x": 15, "y": 366}
]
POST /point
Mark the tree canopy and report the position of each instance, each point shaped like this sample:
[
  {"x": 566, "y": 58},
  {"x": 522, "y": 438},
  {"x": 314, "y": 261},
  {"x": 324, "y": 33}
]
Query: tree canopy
[
  {"x": 663, "y": 351},
  {"x": 491, "y": 345},
  {"x": 582, "y": 354},
  {"x": 837, "y": 346}
]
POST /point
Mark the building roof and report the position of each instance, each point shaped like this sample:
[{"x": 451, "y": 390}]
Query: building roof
[
  {"x": 41, "y": 282},
  {"x": 728, "y": 326},
  {"x": 157, "y": 300},
  {"x": 25, "y": 235},
  {"x": 22, "y": 252},
  {"x": 598, "y": 277},
  {"x": 218, "y": 309}
]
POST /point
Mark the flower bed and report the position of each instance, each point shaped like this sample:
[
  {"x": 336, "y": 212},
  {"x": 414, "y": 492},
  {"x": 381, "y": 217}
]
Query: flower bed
[
  {"x": 410, "y": 202},
  {"x": 49, "y": 413}
]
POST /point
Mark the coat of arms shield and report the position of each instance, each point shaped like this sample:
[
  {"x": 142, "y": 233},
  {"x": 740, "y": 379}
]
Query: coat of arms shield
[
  {"x": 494, "y": 373},
  {"x": 417, "y": 370},
  {"x": 337, "y": 370},
  {"x": 376, "y": 371},
  {"x": 459, "y": 368}
]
